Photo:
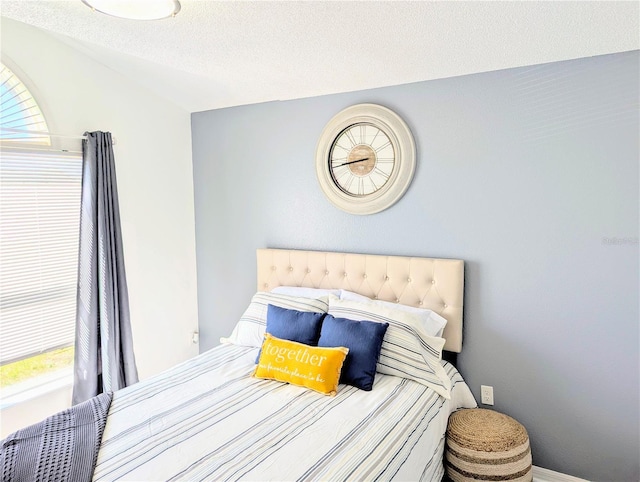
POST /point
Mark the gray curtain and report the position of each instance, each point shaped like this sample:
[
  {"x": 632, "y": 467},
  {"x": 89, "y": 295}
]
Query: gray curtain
[{"x": 104, "y": 359}]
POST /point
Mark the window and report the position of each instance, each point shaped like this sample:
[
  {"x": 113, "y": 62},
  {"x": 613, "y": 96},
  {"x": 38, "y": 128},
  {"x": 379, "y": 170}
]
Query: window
[
  {"x": 22, "y": 122},
  {"x": 39, "y": 229}
]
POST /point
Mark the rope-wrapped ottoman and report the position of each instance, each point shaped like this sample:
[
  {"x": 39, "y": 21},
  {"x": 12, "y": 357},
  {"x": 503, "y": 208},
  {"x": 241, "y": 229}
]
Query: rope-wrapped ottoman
[{"x": 486, "y": 445}]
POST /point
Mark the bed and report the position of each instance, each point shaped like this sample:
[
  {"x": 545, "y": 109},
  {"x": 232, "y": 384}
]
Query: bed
[{"x": 210, "y": 419}]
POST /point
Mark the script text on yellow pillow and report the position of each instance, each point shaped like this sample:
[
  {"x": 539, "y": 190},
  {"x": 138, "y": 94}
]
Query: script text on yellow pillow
[{"x": 317, "y": 368}]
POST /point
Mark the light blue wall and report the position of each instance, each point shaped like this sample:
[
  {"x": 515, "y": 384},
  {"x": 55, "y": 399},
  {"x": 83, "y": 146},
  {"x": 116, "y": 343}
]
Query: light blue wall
[{"x": 529, "y": 174}]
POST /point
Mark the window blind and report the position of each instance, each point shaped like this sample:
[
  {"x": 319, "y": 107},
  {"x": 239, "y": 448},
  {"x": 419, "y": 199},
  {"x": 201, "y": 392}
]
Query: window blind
[{"x": 39, "y": 229}]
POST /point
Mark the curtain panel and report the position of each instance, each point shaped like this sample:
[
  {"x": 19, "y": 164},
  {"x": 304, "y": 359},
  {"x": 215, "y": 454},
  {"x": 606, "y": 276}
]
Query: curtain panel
[{"x": 104, "y": 358}]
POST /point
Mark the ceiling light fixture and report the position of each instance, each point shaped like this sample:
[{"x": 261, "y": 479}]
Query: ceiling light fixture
[{"x": 136, "y": 9}]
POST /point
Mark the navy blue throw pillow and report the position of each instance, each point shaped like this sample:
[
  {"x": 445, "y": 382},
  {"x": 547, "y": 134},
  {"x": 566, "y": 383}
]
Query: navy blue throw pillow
[
  {"x": 293, "y": 325},
  {"x": 364, "y": 341}
]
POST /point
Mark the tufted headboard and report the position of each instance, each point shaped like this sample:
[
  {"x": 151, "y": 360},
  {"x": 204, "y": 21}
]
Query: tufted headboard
[{"x": 435, "y": 284}]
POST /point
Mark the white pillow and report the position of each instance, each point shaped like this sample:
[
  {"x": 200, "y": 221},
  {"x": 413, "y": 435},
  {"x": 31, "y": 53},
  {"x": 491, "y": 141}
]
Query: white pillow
[
  {"x": 408, "y": 351},
  {"x": 249, "y": 331},
  {"x": 432, "y": 322},
  {"x": 303, "y": 292}
]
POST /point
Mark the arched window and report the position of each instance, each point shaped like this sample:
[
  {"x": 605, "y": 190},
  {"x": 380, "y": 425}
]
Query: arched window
[
  {"x": 39, "y": 227},
  {"x": 21, "y": 120}
]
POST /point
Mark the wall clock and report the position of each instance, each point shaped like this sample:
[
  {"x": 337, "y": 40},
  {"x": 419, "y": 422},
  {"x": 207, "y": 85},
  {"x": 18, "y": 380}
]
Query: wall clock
[{"x": 365, "y": 159}]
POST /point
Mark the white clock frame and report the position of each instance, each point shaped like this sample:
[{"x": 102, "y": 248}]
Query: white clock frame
[{"x": 401, "y": 138}]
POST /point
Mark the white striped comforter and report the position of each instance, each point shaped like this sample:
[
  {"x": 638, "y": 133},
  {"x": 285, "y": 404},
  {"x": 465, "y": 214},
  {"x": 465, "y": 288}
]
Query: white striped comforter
[{"x": 208, "y": 419}]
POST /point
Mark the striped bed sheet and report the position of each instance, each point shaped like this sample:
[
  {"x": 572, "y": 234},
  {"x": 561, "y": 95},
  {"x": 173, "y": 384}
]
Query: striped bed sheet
[{"x": 208, "y": 419}]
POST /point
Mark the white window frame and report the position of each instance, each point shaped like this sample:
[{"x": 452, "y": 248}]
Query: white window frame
[{"x": 32, "y": 139}]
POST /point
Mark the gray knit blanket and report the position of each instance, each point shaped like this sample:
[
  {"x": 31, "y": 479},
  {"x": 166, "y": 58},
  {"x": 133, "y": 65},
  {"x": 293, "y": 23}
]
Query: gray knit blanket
[{"x": 64, "y": 447}]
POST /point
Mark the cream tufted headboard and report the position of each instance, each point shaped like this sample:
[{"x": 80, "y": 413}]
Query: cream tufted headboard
[{"x": 435, "y": 284}]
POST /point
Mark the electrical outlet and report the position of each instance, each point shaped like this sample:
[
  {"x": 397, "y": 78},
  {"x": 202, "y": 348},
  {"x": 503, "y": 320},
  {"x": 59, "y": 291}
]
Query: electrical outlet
[{"x": 486, "y": 395}]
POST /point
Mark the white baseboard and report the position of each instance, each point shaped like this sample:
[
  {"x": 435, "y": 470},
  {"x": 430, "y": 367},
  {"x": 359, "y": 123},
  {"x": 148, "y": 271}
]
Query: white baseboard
[{"x": 546, "y": 475}]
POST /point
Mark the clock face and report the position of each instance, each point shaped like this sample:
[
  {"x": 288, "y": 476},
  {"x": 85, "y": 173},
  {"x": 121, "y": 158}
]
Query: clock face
[{"x": 361, "y": 159}]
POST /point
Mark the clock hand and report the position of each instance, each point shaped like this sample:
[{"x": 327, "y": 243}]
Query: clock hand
[{"x": 352, "y": 162}]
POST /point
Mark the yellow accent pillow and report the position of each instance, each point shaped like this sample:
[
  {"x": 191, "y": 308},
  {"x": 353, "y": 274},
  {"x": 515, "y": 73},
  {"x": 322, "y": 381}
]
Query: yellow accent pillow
[{"x": 317, "y": 368}]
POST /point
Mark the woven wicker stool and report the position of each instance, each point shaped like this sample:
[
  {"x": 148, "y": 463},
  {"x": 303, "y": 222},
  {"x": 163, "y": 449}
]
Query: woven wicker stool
[{"x": 486, "y": 445}]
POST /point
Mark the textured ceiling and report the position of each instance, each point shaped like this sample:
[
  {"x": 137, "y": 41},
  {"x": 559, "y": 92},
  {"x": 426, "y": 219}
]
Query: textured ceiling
[{"x": 222, "y": 53}]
